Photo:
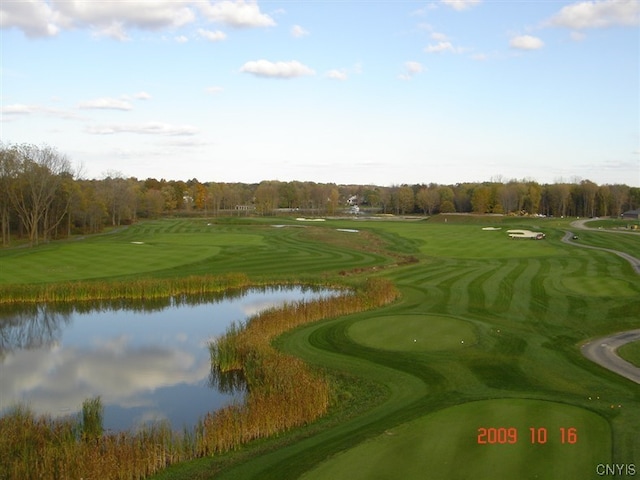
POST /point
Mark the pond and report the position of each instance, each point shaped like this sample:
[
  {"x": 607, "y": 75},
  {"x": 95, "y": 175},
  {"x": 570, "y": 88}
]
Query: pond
[{"x": 147, "y": 362}]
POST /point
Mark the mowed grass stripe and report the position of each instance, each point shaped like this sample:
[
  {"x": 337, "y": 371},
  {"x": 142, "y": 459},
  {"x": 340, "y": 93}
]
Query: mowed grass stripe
[
  {"x": 539, "y": 303},
  {"x": 497, "y": 288},
  {"x": 557, "y": 301},
  {"x": 519, "y": 307}
]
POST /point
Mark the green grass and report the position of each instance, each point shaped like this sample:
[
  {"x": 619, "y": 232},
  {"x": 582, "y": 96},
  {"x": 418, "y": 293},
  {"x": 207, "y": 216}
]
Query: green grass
[
  {"x": 527, "y": 305},
  {"x": 631, "y": 352},
  {"x": 184, "y": 247},
  {"x": 413, "y": 333},
  {"x": 446, "y": 445}
]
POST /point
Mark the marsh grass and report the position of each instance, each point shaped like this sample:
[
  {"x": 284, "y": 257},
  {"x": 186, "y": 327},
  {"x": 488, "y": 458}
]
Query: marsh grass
[
  {"x": 92, "y": 415},
  {"x": 137, "y": 289}
]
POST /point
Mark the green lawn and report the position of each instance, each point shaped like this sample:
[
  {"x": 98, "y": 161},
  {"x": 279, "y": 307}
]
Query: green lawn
[
  {"x": 522, "y": 308},
  {"x": 631, "y": 352},
  {"x": 413, "y": 333},
  {"x": 481, "y": 440}
]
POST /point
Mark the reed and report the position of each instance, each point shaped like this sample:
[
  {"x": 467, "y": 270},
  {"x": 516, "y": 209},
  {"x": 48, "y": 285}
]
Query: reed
[
  {"x": 92, "y": 415},
  {"x": 137, "y": 289}
]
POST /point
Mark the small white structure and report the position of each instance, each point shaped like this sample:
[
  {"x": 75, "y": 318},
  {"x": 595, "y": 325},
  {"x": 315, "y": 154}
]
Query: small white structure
[{"x": 526, "y": 234}]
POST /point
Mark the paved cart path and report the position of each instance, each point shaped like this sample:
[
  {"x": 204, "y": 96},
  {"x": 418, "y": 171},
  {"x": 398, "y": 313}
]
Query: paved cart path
[
  {"x": 635, "y": 262},
  {"x": 603, "y": 351}
]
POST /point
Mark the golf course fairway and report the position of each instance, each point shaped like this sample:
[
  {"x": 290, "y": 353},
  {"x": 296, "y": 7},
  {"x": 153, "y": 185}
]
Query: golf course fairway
[
  {"x": 483, "y": 440},
  {"x": 482, "y": 345}
]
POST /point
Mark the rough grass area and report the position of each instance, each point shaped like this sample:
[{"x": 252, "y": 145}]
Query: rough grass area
[
  {"x": 631, "y": 352},
  {"x": 484, "y": 441}
]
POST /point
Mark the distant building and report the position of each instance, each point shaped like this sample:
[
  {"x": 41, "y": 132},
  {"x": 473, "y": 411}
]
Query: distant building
[{"x": 632, "y": 214}]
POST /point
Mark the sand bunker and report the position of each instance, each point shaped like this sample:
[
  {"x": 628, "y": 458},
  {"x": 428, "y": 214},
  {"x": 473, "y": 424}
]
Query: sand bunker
[{"x": 526, "y": 234}]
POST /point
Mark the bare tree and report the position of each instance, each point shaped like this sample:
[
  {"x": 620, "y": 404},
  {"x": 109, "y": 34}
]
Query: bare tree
[
  {"x": 7, "y": 171},
  {"x": 39, "y": 174}
]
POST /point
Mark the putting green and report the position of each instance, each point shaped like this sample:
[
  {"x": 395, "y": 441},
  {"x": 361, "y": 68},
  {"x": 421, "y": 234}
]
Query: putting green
[
  {"x": 415, "y": 333},
  {"x": 446, "y": 445}
]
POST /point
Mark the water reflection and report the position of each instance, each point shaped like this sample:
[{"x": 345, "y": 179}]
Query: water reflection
[
  {"x": 147, "y": 361},
  {"x": 232, "y": 382}
]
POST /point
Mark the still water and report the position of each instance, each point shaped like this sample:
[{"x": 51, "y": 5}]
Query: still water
[{"x": 147, "y": 362}]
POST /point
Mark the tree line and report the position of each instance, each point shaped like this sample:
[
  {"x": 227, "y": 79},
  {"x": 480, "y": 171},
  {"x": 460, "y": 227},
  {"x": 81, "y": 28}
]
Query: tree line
[{"x": 42, "y": 198}]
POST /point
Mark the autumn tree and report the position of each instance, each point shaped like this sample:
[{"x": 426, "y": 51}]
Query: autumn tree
[
  {"x": 480, "y": 199},
  {"x": 35, "y": 182},
  {"x": 405, "y": 199},
  {"x": 266, "y": 197},
  {"x": 333, "y": 203}
]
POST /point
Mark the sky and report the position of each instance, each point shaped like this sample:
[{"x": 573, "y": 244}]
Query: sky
[{"x": 380, "y": 92}]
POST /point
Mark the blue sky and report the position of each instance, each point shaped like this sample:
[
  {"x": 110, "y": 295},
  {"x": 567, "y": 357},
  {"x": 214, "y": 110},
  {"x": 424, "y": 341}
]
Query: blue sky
[{"x": 365, "y": 92}]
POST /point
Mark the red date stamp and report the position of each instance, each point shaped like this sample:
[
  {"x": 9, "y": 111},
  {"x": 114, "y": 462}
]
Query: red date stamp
[{"x": 535, "y": 435}]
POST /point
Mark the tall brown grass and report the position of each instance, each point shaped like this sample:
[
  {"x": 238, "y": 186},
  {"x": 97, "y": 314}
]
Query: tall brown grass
[{"x": 137, "y": 289}]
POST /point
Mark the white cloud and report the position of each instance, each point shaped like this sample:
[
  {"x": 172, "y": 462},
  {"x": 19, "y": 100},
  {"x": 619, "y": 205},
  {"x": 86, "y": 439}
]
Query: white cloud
[
  {"x": 443, "y": 47},
  {"x": 214, "y": 90},
  {"x": 114, "y": 19},
  {"x": 526, "y": 42},
  {"x": 106, "y": 104},
  {"x": 181, "y": 39},
  {"x": 598, "y": 14},
  {"x": 461, "y": 4},
  {"x": 149, "y": 128},
  {"x": 114, "y": 31},
  {"x": 440, "y": 37},
  {"x": 18, "y": 109},
  {"x": 411, "y": 69},
  {"x": 132, "y": 13},
  {"x": 142, "y": 96},
  {"x": 265, "y": 68},
  {"x": 35, "y": 18},
  {"x": 336, "y": 74},
  {"x": 239, "y": 14},
  {"x": 298, "y": 32},
  {"x": 216, "y": 36},
  {"x": 38, "y": 18}
]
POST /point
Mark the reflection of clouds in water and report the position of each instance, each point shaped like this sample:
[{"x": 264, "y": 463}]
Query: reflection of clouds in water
[
  {"x": 253, "y": 308},
  {"x": 253, "y": 304},
  {"x": 145, "y": 364},
  {"x": 116, "y": 345},
  {"x": 57, "y": 380}
]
